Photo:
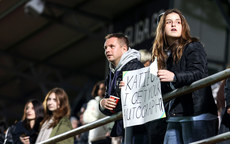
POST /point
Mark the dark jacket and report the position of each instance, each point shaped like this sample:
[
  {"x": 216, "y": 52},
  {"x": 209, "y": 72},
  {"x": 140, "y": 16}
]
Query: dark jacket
[
  {"x": 20, "y": 129},
  {"x": 227, "y": 92},
  {"x": 2, "y": 138},
  {"x": 191, "y": 67},
  {"x": 113, "y": 80}
]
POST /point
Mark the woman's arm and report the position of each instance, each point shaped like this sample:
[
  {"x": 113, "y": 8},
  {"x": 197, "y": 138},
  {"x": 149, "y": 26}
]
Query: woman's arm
[{"x": 194, "y": 65}]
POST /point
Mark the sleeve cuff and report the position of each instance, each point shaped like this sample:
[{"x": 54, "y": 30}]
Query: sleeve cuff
[{"x": 102, "y": 108}]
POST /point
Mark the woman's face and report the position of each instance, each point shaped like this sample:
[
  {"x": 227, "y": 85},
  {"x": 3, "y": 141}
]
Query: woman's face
[
  {"x": 52, "y": 102},
  {"x": 173, "y": 27},
  {"x": 101, "y": 90},
  {"x": 30, "y": 113}
]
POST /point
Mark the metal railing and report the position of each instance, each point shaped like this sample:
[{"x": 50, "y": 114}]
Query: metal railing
[
  {"x": 214, "y": 139},
  {"x": 82, "y": 129},
  {"x": 171, "y": 95}
]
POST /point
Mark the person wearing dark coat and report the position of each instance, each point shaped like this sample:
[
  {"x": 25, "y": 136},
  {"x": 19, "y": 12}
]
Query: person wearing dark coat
[
  {"x": 121, "y": 58},
  {"x": 21, "y": 131},
  {"x": 182, "y": 61},
  {"x": 26, "y": 131}
]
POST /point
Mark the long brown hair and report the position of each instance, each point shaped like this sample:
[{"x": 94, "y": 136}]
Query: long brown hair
[
  {"x": 63, "y": 109},
  {"x": 160, "y": 42},
  {"x": 39, "y": 114},
  {"x": 96, "y": 88}
]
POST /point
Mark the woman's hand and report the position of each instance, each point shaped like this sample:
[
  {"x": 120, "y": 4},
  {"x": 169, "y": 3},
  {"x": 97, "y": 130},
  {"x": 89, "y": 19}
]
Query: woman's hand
[
  {"x": 25, "y": 139},
  {"x": 165, "y": 75}
]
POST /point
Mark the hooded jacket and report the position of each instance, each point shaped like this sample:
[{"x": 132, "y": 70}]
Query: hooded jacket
[{"x": 129, "y": 61}]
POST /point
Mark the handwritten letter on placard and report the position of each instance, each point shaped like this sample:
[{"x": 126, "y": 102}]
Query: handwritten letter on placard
[{"x": 141, "y": 97}]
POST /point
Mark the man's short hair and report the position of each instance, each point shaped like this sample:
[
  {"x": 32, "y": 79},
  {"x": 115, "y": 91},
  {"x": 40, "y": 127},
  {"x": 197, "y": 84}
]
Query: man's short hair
[{"x": 120, "y": 36}]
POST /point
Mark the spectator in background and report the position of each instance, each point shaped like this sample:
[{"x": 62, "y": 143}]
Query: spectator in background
[
  {"x": 75, "y": 123},
  {"x": 5, "y": 132},
  {"x": 146, "y": 57},
  {"x": 92, "y": 113},
  {"x": 3, "y": 128},
  {"x": 215, "y": 89},
  {"x": 225, "y": 123},
  {"x": 56, "y": 120},
  {"x": 221, "y": 99},
  {"x": 26, "y": 130},
  {"x": 83, "y": 137},
  {"x": 182, "y": 61},
  {"x": 121, "y": 58}
]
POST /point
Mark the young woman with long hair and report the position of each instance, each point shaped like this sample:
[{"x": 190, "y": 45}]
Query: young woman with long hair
[
  {"x": 26, "y": 131},
  {"x": 181, "y": 61},
  {"x": 56, "y": 120}
]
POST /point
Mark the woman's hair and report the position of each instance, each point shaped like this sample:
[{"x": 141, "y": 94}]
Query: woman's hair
[
  {"x": 39, "y": 113},
  {"x": 63, "y": 109},
  {"x": 95, "y": 89},
  {"x": 160, "y": 42},
  {"x": 145, "y": 55}
]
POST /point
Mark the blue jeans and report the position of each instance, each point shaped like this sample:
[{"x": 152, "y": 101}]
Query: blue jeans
[{"x": 190, "y": 131}]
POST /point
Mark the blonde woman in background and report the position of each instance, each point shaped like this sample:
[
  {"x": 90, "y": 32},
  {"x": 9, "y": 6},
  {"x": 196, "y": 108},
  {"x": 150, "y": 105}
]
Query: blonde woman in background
[
  {"x": 92, "y": 113},
  {"x": 146, "y": 57}
]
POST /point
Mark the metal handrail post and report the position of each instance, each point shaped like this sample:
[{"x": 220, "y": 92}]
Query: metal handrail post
[
  {"x": 197, "y": 85},
  {"x": 214, "y": 139}
]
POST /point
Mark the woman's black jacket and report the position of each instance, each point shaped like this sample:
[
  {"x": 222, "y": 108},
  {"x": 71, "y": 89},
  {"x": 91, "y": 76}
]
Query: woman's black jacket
[{"x": 191, "y": 67}]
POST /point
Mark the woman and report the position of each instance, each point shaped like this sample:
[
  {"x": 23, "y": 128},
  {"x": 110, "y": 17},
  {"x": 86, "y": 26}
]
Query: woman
[
  {"x": 182, "y": 61},
  {"x": 56, "y": 120},
  {"x": 92, "y": 113},
  {"x": 26, "y": 131}
]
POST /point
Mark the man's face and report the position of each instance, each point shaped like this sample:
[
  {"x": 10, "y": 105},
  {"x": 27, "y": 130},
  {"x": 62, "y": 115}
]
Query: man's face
[{"x": 114, "y": 50}]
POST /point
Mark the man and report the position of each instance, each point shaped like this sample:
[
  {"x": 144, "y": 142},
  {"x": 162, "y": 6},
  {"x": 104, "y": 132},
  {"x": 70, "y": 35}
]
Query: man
[{"x": 121, "y": 58}]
